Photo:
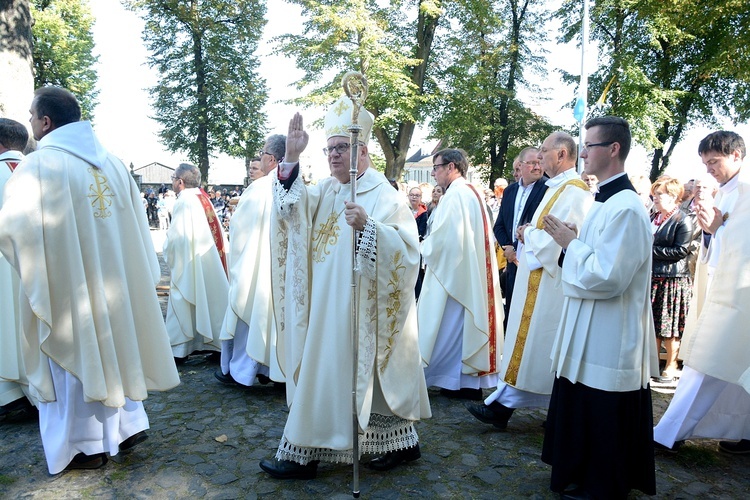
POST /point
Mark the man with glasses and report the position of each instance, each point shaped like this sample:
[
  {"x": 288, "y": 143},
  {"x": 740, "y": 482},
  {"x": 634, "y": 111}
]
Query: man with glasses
[
  {"x": 195, "y": 251},
  {"x": 312, "y": 254},
  {"x": 526, "y": 380},
  {"x": 248, "y": 335},
  {"x": 459, "y": 313},
  {"x": 520, "y": 200},
  {"x": 599, "y": 437}
]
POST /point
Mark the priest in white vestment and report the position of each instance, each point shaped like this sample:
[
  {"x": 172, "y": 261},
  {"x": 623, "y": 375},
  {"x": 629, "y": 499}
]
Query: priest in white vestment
[
  {"x": 13, "y": 139},
  {"x": 599, "y": 433},
  {"x": 460, "y": 308},
  {"x": 712, "y": 399},
  {"x": 248, "y": 337},
  {"x": 525, "y": 371},
  {"x": 73, "y": 227},
  {"x": 195, "y": 251},
  {"x": 312, "y": 254}
]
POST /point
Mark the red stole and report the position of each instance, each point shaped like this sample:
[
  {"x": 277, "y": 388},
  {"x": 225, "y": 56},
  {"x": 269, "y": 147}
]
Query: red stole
[
  {"x": 213, "y": 223},
  {"x": 490, "y": 286}
]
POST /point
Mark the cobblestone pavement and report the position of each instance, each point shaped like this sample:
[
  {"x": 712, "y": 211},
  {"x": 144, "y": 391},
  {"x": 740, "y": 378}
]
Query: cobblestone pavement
[{"x": 206, "y": 440}]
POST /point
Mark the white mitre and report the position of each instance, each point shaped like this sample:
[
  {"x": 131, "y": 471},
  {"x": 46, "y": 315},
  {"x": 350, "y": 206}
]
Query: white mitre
[{"x": 339, "y": 119}]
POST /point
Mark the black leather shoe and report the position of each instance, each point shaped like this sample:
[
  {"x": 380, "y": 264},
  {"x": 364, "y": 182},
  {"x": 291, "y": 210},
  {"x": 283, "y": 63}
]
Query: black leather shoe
[
  {"x": 496, "y": 413},
  {"x": 463, "y": 393},
  {"x": 83, "y": 461},
  {"x": 394, "y": 458},
  {"x": 286, "y": 469},
  {"x": 741, "y": 447},
  {"x": 224, "y": 379},
  {"x": 263, "y": 379},
  {"x": 672, "y": 451},
  {"x": 131, "y": 442}
]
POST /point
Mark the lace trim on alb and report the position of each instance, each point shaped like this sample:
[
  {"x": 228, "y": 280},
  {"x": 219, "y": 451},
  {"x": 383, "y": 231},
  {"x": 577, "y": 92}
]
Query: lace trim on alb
[
  {"x": 367, "y": 250},
  {"x": 285, "y": 200},
  {"x": 385, "y": 433}
]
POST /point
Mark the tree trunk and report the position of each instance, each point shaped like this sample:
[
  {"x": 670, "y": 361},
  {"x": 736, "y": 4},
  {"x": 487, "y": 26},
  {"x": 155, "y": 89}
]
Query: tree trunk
[{"x": 17, "y": 81}]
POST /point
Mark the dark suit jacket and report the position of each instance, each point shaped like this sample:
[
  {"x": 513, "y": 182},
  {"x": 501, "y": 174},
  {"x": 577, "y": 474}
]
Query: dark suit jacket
[{"x": 503, "y": 228}]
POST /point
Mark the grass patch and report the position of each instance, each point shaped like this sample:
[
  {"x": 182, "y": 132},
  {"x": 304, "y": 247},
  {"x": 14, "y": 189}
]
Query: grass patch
[
  {"x": 6, "y": 480},
  {"x": 697, "y": 457}
]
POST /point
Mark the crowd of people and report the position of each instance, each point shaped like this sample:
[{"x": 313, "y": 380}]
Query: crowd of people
[{"x": 558, "y": 291}]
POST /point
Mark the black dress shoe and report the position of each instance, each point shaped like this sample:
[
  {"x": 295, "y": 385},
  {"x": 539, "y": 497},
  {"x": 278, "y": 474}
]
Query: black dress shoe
[
  {"x": 463, "y": 393},
  {"x": 131, "y": 442},
  {"x": 741, "y": 447},
  {"x": 394, "y": 458},
  {"x": 575, "y": 494},
  {"x": 83, "y": 461},
  {"x": 263, "y": 379},
  {"x": 496, "y": 413},
  {"x": 225, "y": 379},
  {"x": 672, "y": 451},
  {"x": 286, "y": 469}
]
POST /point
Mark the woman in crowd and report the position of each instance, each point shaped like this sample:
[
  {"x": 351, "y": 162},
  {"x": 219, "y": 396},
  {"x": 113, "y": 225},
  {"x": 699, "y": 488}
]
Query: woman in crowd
[{"x": 671, "y": 285}]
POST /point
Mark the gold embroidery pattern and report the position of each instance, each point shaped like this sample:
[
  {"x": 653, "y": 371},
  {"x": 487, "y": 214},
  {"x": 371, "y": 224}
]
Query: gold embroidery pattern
[
  {"x": 327, "y": 234},
  {"x": 535, "y": 278},
  {"x": 339, "y": 110},
  {"x": 393, "y": 304},
  {"x": 101, "y": 195}
]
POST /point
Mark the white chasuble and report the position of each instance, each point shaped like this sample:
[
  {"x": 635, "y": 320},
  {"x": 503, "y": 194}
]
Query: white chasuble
[
  {"x": 312, "y": 262},
  {"x": 605, "y": 339},
  {"x": 199, "y": 291},
  {"x": 459, "y": 266},
  {"x": 537, "y": 296},
  {"x": 73, "y": 227},
  {"x": 10, "y": 363},
  {"x": 250, "y": 298}
]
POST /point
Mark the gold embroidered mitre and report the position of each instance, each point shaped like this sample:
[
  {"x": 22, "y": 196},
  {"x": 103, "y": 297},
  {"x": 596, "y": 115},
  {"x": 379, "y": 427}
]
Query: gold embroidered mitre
[{"x": 339, "y": 118}]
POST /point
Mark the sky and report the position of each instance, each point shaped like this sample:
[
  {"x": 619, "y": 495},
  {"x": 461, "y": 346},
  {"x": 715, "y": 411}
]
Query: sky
[{"x": 123, "y": 124}]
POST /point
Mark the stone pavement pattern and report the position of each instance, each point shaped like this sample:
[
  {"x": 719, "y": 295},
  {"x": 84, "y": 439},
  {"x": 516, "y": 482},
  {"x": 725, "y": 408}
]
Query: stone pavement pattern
[{"x": 206, "y": 440}]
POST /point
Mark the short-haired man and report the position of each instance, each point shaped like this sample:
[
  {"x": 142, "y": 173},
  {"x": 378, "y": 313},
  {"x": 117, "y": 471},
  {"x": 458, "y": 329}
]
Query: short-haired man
[
  {"x": 254, "y": 171},
  {"x": 195, "y": 251},
  {"x": 13, "y": 139},
  {"x": 248, "y": 336},
  {"x": 713, "y": 397},
  {"x": 526, "y": 380},
  {"x": 460, "y": 309},
  {"x": 311, "y": 238},
  {"x": 520, "y": 201},
  {"x": 599, "y": 433},
  {"x": 93, "y": 334}
]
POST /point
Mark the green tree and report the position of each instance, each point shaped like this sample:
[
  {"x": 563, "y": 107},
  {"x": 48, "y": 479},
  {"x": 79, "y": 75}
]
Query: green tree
[
  {"x": 389, "y": 43},
  {"x": 669, "y": 65},
  {"x": 209, "y": 96},
  {"x": 63, "y": 49},
  {"x": 484, "y": 62}
]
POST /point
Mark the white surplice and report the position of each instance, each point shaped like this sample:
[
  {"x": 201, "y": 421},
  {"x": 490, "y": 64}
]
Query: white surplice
[
  {"x": 199, "y": 289},
  {"x": 73, "y": 227},
  {"x": 605, "y": 339},
  {"x": 712, "y": 399},
  {"x": 567, "y": 198},
  {"x": 312, "y": 255},
  {"x": 458, "y": 346},
  {"x": 250, "y": 306}
]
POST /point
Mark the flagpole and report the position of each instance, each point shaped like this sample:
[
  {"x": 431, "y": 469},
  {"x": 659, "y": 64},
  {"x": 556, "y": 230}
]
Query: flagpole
[{"x": 580, "y": 111}]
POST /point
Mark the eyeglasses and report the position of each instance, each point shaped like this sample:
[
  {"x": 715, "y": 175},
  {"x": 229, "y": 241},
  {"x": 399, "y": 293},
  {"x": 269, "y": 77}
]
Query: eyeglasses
[
  {"x": 175, "y": 178},
  {"x": 534, "y": 163},
  {"x": 338, "y": 148},
  {"x": 261, "y": 153},
  {"x": 602, "y": 144},
  {"x": 436, "y": 165}
]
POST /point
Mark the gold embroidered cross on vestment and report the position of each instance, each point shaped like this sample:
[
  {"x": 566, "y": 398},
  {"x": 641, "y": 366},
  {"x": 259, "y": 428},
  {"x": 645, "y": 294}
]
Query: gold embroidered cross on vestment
[
  {"x": 101, "y": 195},
  {"x": 327, "y": 234}
]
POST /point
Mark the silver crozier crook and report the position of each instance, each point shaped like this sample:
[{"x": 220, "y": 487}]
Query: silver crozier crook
[{"x": 355, "y": 86}]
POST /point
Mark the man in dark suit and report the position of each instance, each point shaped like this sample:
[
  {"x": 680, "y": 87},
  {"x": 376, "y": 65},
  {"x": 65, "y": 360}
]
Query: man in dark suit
[{"x": 520, "y": 200}]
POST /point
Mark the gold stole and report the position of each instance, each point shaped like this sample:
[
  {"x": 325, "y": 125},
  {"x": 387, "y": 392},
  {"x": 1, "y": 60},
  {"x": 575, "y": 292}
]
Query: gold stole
[
  {"x": 213, "y": 223},
  {"x": 490, "y": 287},
  {"x": 535, "y": 277}
]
